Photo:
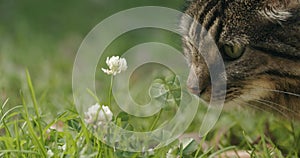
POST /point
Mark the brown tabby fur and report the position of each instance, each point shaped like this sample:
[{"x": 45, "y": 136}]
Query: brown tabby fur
[{"x": 267, "y": 75}]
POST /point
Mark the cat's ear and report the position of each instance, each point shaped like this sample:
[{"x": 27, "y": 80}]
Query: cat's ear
[{"x": 279, "y": 10}]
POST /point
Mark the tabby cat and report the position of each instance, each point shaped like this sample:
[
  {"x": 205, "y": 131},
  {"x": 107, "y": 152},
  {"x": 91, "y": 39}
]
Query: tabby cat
[{"x": 259, "y": 41}]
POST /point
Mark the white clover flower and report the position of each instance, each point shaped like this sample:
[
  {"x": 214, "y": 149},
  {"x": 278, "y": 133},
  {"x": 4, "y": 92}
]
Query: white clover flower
[
  {"x": 63, "y": 147},
  {"x": 50, "y": 153},
  {"x": 104, "y": 115},
  {"x": 151, "y": 151},
  {"x": 115, "y": 64},
  {"x": 170, "y": 153},
  {"x": 58, "y": 126}
]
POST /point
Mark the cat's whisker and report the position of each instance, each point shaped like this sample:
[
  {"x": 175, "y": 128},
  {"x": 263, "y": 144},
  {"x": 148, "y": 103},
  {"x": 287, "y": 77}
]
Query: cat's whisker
[
  {"x": 262, "y": 109},
  {"x": 272, "y": 107},
  {"x": 260, "y": 102},
  {"x": 241, "y": 102},
  {"x": 253, "y": 104},
  {"x": 274, "y": 90},
  {"x": 281, "y": 106},
  {"x": 275, "y": 108},
  {"x": 277, "y": 105}
]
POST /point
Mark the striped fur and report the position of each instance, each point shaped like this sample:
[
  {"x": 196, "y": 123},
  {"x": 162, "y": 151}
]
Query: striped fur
[{"x": 267, "y": 75}]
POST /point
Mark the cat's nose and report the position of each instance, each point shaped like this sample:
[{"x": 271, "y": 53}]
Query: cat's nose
[
  {"x": 193, "y": 83},
  {"x": 194, "y": 90},
  {"x": 197, "y": 84}
]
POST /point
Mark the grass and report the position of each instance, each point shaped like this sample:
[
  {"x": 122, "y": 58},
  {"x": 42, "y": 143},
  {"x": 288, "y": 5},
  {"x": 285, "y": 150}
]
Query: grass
[
  {"x": 37, "y": 113},
  {"x": 27, "y": 132}
]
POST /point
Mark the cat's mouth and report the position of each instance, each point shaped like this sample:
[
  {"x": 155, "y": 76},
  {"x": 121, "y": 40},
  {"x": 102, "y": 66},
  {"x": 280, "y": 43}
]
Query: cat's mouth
[
  {"x": 202, "y": 93},
  {"x": 206, "y": 94}
]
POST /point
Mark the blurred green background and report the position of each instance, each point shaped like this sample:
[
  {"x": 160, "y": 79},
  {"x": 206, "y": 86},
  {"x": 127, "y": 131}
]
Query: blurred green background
[{"x": 44, "y": 36}]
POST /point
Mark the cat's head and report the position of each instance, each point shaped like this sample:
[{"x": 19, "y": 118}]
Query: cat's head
[{"x": 259, "y": 41}]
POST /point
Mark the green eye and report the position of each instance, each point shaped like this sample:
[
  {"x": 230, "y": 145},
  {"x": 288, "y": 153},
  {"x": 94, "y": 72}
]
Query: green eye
[{"x": 234, "y": 52}]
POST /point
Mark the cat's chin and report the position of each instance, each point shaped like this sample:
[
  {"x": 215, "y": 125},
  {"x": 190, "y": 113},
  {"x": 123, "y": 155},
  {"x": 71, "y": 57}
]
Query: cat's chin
[{"x": 205, "y": 97}]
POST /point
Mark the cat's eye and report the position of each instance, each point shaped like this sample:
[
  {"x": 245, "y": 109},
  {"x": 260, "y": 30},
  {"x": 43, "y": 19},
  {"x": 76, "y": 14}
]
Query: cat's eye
[{"x": 233, "y": 51}]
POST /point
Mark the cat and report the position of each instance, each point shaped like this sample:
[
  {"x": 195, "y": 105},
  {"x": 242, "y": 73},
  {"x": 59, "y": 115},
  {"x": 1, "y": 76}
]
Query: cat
[{"x": 259, "y": 41}]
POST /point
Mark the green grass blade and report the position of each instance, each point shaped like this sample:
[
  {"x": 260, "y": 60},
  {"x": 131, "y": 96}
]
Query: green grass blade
[
  {"x": 18, "y": 151},
  {"x": 17, "y": 135},
  {"x": 8, "y": 111},
  {"x": 4, "y": 104},
  {"x": 2, "y": 118},
  {"x": 38, "y": 143},
  {"x": 221, "y": 151},
  {"x": 33, "y": 97}
]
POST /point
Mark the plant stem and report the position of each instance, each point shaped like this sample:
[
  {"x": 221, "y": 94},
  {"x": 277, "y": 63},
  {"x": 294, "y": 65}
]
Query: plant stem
[
  {"x": 110, "y": 91},
  {"x": 156, "y": 120}
]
